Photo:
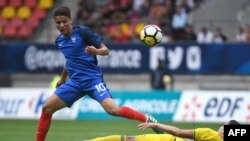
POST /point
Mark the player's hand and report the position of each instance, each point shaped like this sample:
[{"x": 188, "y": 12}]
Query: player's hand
[
  {"x": 91, "y": 50},
  {"x": 146, "y": 125},
  {"x": 60, "y": 82}
]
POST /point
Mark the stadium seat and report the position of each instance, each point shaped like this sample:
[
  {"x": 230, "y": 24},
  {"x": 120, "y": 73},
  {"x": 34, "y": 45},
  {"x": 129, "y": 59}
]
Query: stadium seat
[
  {"x": 3, "y": 21},
  {"x": 8, "y": 12},
  {"x": 15, "y": 3},
  {"x": 24, "y": 31},
  {"x": 23, "y": 12},
  {"x": 32, "y": 22},
  {"x": 19, "y": 18},
  {"x": 16, "y": 21},
  {"x": 9, "y": 31},
  {"x": 38, "y": 13},
  {"x": 139, "y": 26},
  {"x": 3, "y": 3},
  {"x": 30, "y": 3},
  {"x": 45, "y": 4}
]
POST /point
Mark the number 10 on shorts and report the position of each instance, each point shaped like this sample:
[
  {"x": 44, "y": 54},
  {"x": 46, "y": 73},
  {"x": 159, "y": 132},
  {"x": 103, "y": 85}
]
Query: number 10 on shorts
[{"x": 100, "y": 87}]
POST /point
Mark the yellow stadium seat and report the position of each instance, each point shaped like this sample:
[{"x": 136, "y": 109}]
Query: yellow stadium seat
[
  {"x": 139, "y": 27},
  {"x": 45, "y": 4},
  {"x": 23, "y": 12},
  {"x": 126, "y": 29},
  {"x": 8, "y": 12}
]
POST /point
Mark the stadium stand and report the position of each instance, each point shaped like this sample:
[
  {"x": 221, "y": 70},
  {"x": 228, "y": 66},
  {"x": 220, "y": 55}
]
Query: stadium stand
[
  {"x": 243, "y": 14},
  {"x": 0, "y": 29},
  {"x": 9, "y": 30},
  {"x": 3, "y": 20},
  {"x": 3, "y": 3},
  {"x": 127, "y": 19},
  {"x": 24, "y": 12},
  {"x": 39, "y": 10},
  {"x": 16, "y": 21},
  {"x": 20, "y": 18},
  {"x": 45, "y": 4},
  {"x": 30, "y": 3},
  {"x": 223, "y": 13},
  {"x": 32, "y": 22},
  {"x": 15, "y": 3},
  {"x": 8, "y": 12},
  {"x": 24, "y": 31}
]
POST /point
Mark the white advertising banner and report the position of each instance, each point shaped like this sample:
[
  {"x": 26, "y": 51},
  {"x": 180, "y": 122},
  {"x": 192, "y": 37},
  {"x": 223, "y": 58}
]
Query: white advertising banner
[
  {"x": 213, "y": 106},
  {"x": 27, "y": 103}
]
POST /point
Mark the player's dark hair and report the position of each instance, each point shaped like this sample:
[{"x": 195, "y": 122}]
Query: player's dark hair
[
  {"x": 233, "y": 122},
  {"x": 62, "y": 11}
]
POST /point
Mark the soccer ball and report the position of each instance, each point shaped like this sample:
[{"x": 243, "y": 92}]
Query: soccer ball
[{"x": 151, "y": 35}]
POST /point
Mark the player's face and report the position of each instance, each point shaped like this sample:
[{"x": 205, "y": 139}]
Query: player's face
[{"x": 63, "y": 24}]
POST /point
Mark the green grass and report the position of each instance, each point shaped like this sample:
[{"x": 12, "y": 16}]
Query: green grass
[{"x": 24, "y": 130}]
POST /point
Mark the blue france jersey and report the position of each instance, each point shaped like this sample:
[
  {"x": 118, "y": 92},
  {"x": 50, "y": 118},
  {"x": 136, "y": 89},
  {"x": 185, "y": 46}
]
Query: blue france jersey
[{"x": 80, "y": 65}]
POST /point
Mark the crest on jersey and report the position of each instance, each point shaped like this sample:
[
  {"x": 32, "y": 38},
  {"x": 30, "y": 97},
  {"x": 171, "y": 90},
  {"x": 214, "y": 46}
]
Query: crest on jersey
[{"x": 73, "y": 39}]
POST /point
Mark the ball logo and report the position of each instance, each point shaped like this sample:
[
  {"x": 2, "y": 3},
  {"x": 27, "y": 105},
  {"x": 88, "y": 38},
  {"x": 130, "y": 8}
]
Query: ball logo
[{"x": 191, "y": 108}]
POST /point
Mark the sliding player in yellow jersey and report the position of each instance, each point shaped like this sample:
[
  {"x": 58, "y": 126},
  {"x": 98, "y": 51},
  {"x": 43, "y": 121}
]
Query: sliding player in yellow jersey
[{"x": 174, "y": 134}]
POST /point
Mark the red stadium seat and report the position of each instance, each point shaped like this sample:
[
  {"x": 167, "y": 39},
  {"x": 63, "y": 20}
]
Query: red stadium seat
[
  {"x": 38, "y": 13},
  {"x": 30, "y": 3},
  {"x": 3, "y": 3},
  {"x": 24, "y": 31},
  {"x": 32, "y": 22},
  {"x": 15, "y": 3},
  {"x": 9, "y": 31},
  {"x": 16, "y": 21},
  {"x": 3, "y": 21}
]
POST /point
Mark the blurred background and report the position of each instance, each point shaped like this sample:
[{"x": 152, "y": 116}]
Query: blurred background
[{"x": 197, "y": 76}]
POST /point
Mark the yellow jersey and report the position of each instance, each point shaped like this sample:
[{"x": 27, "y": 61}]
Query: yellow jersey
[
  {"x": 206, "y": 134},
  {"x": 158, "y": 137}
]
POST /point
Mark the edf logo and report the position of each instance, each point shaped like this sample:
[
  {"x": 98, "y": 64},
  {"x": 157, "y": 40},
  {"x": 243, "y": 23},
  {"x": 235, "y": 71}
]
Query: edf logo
[
  {"x": 221, "y": 107},
  {"x": 236, "y": 132}
]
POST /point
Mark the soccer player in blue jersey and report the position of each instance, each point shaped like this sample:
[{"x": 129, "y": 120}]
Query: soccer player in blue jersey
[{"x": 80, "y": 45}]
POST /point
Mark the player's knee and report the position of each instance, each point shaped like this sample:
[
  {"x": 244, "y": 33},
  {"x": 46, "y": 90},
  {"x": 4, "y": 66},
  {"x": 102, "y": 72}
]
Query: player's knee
[
  {"x": 48, "y": 109},
  {"x": 114, "y": 111}
]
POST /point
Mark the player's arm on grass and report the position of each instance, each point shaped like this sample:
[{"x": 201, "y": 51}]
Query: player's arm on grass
[
  {"x": 169, "y": 129},
  {"x": 101, "y": 50},
  {"x": 63, "y": 78}
]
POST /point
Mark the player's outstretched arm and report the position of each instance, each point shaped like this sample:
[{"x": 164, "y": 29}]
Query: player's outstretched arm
[
  {"x": 101, "y": 50},
  {"x": 169, "y": 129}
]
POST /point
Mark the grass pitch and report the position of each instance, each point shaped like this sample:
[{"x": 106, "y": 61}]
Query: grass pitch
[{"x": 61, "y": 130}]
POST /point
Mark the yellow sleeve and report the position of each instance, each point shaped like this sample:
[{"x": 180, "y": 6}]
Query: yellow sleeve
[
  {"x": 206, "y": 134},
  {"x": 157, "y": 137}
]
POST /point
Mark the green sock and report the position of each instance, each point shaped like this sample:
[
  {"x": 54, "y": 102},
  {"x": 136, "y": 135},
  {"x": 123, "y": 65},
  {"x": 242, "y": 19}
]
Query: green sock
[{"x": 110, "y": 138}]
